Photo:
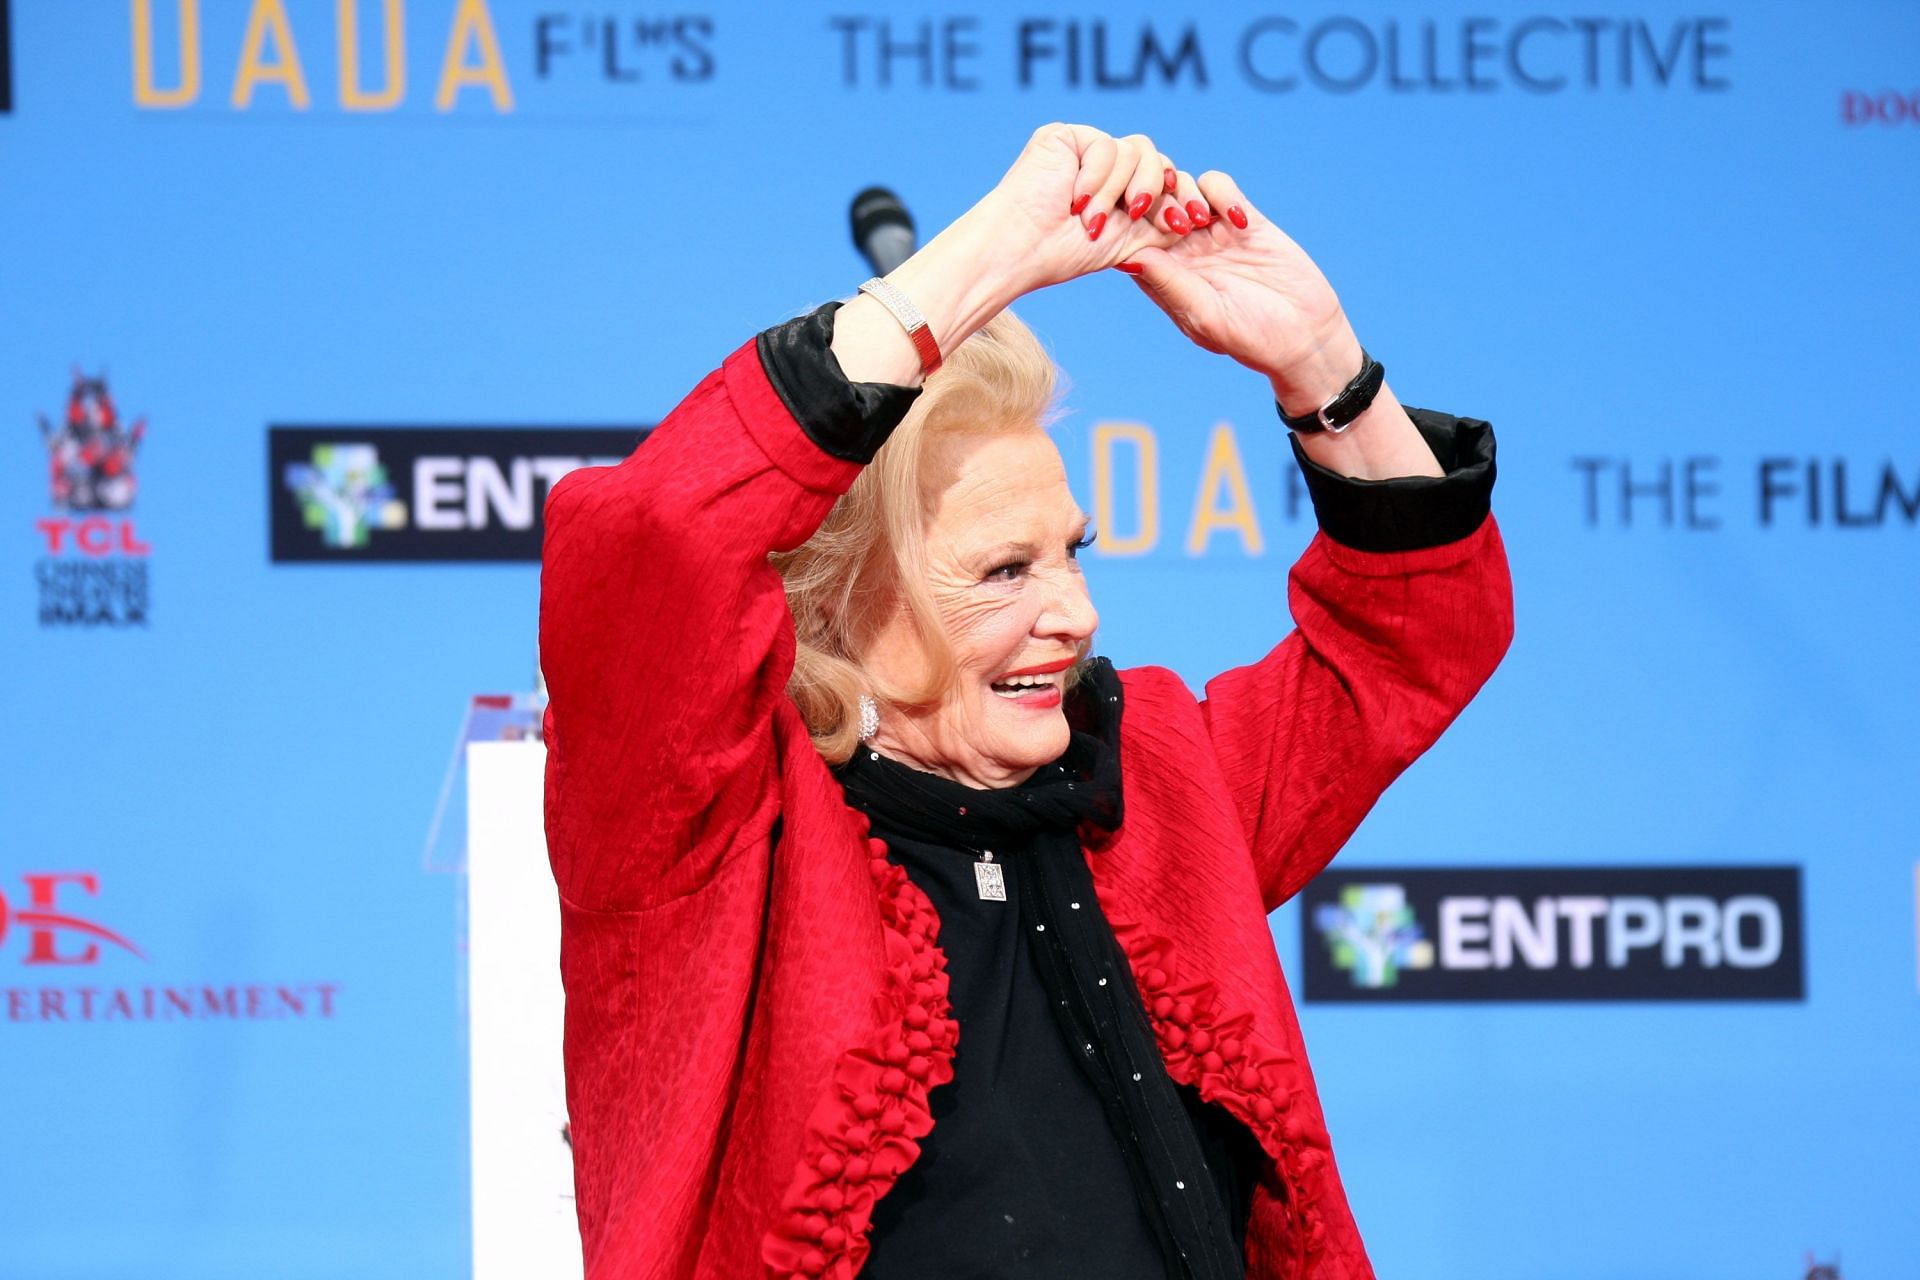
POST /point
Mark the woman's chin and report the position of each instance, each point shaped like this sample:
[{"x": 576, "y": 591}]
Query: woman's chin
[{"x": 1036, "y": 742}]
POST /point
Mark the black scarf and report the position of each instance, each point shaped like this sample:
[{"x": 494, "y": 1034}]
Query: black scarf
[
  {"x": 1083, "y": 785},
  {"x": 1187, "y": 1164}
]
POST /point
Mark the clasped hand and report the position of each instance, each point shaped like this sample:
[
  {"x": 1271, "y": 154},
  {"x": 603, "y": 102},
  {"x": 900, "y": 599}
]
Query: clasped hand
[{"x": 1078, "y": 200}]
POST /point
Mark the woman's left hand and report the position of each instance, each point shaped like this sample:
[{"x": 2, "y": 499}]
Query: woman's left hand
[{"x": 1240, "y": 286}]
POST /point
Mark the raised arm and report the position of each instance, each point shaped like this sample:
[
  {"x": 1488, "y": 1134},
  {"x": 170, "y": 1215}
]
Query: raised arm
[
  {"x": 1403, "y": 602},
  {"x": 1397, "y": 628},
  {"x": 664, "y": 633}
]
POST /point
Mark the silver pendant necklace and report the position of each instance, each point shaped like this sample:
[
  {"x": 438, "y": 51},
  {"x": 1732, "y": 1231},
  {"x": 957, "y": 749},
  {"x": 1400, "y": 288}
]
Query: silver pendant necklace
[{"x": 988, "y": 878}]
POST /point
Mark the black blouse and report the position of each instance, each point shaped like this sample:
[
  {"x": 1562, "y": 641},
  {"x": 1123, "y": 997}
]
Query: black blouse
[{"x": 1061, "y": 1146}]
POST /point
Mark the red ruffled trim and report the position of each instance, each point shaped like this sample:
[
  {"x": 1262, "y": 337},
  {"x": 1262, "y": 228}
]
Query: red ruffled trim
[
  {"x": 1214, "y": 1050},
  {"x": 861, "y": 1134}
]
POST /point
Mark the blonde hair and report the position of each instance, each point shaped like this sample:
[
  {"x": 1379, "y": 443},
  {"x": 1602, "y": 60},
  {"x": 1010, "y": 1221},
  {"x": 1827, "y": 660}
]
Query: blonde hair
[{"x": 867, "y": 558}]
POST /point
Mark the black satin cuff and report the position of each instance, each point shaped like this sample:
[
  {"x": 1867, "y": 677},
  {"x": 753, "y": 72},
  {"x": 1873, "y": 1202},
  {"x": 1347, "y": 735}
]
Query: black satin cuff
[
  {"x": 849, "y": 420},
  {"x": 1409, "y": 513}
]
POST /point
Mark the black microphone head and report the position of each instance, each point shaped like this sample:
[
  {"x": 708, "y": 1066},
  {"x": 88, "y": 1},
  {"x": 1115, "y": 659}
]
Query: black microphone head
[{"x": 874, "y": 208}]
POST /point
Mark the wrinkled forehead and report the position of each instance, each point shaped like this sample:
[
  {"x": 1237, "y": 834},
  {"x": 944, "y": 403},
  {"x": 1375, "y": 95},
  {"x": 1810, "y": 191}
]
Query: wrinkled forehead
[{"x": 1006, "y": 484}]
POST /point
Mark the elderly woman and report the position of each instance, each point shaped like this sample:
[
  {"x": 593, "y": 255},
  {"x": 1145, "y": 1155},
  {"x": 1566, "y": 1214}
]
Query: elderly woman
[{"x": 901, "y": 937}]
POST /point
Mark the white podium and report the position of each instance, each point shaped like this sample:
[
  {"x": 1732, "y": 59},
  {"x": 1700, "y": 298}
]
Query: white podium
[{"x": 523, "y": 1212}]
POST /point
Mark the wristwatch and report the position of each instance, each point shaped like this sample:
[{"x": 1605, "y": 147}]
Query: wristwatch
[{"x": 1337, "y": 414}]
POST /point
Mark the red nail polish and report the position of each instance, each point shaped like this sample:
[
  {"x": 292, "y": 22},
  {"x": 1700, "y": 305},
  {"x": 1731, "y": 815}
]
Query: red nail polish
[
  {"x": 1099, "y": 224},
  {"x": 1131, "y": 268},
  {"x": 1198, "y": 212},
  {"x": 1141, "y": 203},
  {"x": 1169, "y": 182},
  {"x": 1079, "y": 203},
  {"x": 1177, "y": 221},
  {"x": 1237, "y": 216}
]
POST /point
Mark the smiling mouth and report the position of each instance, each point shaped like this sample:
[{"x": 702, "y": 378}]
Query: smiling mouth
[{"x": 1016, "y": 688}]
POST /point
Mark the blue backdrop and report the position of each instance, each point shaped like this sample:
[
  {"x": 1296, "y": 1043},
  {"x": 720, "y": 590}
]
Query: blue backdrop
[{"x": 1665, "y": 242}]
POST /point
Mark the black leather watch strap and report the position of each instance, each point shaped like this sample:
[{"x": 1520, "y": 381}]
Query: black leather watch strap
[{"x": 1337, "y": 414}]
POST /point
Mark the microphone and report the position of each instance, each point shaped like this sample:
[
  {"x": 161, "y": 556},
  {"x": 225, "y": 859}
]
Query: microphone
[{"x": 882, "y": 229}]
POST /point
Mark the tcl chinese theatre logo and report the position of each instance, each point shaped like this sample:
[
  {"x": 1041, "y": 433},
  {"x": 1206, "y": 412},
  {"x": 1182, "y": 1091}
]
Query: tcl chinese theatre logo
[
  {"x": 76, "y": 963},
  {"x": 93, "y": 567}
]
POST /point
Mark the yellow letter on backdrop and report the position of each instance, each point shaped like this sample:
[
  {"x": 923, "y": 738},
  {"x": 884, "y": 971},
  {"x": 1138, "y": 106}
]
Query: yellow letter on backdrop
[
  {"x": 145, "y": 92},
  {"x": 1146, "y": 488},
  {"x": 352, "y": 96},
  {"x": 1223, "y": 464},
  {"x": 269, "y": 17},
  {"x": 473, "y": 24}
]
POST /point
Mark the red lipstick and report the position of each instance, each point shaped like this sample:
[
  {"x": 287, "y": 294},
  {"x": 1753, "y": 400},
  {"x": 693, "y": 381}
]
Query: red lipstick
[{"x": 1045, "y": 669}]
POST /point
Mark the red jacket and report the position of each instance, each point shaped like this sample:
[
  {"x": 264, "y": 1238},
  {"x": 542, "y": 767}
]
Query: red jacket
[{"x": 756, "y": 1002}]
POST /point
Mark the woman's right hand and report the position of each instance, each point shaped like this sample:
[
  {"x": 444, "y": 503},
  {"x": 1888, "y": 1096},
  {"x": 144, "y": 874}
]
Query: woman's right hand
[
  {"x": 1078, "y": 201},
  {"x": 1033, "y": 229}
]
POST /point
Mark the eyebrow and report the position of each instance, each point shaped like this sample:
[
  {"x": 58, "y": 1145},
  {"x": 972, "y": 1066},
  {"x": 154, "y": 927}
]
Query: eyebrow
[{"x": 1001, "y": 552}]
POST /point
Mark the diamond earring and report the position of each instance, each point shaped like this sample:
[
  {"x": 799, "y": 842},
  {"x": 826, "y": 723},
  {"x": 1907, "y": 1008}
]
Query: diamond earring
[{"x": 869, "y": 717}]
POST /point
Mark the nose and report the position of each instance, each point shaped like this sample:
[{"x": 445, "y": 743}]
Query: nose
[{"x": 1069, "y": 614}]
